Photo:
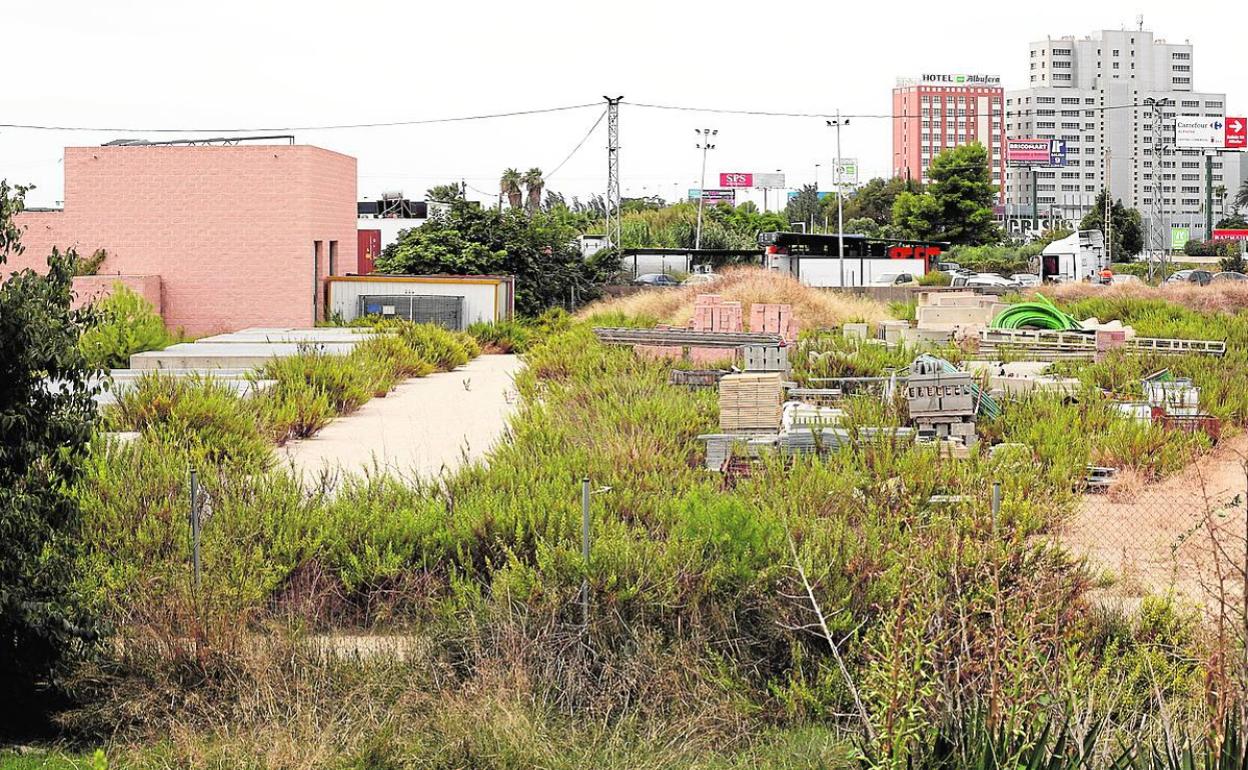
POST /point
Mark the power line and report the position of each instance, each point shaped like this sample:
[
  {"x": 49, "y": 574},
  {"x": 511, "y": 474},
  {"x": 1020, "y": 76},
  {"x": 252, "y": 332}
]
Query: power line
[
  {"x": 578, "y": 146},
  {"x": 333, "y": 127},
  {"x": 863, "y": 115}
]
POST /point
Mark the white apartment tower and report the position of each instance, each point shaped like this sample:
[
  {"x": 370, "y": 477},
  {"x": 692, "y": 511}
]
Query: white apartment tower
[{"x": 1091, "y": 92}]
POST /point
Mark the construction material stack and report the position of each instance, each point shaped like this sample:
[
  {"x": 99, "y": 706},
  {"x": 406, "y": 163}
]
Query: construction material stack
[
  {"x": 942, "y": 403},
  {"x": 750, "y": 402}
]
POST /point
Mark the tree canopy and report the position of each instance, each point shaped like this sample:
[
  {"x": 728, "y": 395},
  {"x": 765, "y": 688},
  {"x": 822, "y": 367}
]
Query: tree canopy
[
  {"x": 44, "y": 432},
  {"x": 1128, "y": 227},
  {"x": 957, "y": 206},
  {"x": 536, "y": 247}
]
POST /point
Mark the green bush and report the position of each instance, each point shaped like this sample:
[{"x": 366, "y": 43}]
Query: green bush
[
  {"x": 935, "y": 278},
  {"x": 444, "y": 349},
  {"x": 126, "y": 324}
]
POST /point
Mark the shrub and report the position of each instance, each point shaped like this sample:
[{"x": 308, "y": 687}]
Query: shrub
[
  {"x": 935, "y": 278},
  {"x": 201, "y": 414},
  {"x": 436, "y": 345},
  {"x": 126, "y": 324}
]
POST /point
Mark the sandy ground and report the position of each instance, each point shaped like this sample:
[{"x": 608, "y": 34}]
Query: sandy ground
[
  {"x": 425, "y": 427},
  {"x": 1151, "y": 538}
]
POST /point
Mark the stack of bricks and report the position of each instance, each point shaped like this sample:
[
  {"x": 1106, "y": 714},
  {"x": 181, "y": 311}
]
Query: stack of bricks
[
  {"x": 712, "y": 314},
  {"x": 773, "y": 319}
]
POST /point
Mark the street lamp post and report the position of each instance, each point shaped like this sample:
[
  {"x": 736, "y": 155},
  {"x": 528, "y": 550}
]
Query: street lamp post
[
  {"x": 704, "y": 144},
  {"x": 840, "y": 211}
]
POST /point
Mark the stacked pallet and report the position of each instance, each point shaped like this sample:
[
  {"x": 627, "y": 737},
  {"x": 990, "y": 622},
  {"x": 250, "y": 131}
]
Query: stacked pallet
[
  {"x": 773, "y": 319},
  {"x": 712, "y": 314},
  {"x": 750, "y": 401}
]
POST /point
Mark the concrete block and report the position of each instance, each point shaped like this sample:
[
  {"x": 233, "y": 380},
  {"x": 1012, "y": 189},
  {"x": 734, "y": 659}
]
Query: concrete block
[
  {"x": 226, "y": 355},
  {"x": 855, "y": 331}
]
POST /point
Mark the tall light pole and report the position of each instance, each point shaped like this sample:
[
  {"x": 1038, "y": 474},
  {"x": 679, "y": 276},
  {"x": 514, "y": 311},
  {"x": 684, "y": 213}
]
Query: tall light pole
[
  {"x": 840, "y": 210},
  {"x": 705, "y": 135}
]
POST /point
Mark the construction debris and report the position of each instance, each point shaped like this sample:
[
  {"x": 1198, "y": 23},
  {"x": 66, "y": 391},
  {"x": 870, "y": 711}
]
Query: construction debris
[
  {"x": 696, "y": 378},
  {"x": 683, "y": 338},
  {"x": 766, "y": 358},
  {"x": 1057, "y": 346},
  {"x": 962, "y": 312}
]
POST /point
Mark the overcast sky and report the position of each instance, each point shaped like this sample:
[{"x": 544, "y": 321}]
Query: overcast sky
[{"x": 227, "y": 64}]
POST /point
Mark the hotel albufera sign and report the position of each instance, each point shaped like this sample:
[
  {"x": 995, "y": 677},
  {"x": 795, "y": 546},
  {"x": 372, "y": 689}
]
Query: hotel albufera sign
[{"x": 951, "y": 79}]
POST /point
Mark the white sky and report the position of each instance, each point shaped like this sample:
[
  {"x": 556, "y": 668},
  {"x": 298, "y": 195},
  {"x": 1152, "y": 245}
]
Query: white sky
[{"x": 233, "y": 64}]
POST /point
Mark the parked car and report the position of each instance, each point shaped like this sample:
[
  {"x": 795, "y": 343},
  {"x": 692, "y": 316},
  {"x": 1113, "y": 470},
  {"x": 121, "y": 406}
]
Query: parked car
[
  {"x": 1118, "y": 279},
  {"x": 655, "y": 279},
  {"x": 1199, "y": 277},
  {"x": 1026, "y": 279},
  {"x": 698, "y": 279},
  {"x": 992, "y": 280},
  {"x": 894, "y": 279},
  {"x": 1228, "y": 276},
  {"x": 949, "y": 267}
]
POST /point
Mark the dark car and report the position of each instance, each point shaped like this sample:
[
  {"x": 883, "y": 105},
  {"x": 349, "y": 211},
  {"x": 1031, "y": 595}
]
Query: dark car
[
  {"x": 655, "y": 279},
  {"x": 1198, "y": 277}
]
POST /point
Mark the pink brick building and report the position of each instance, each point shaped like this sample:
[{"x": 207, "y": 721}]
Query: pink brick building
[{"x": 226, "y": 237}]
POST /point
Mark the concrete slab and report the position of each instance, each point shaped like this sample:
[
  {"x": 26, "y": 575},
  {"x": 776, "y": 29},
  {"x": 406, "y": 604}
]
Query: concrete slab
[
  {"x": 328, "y": 334},
  {"x": 225, "y": 355},
  {"x": 425, "y": 427},
  {"x": 1009, "y": 369}
]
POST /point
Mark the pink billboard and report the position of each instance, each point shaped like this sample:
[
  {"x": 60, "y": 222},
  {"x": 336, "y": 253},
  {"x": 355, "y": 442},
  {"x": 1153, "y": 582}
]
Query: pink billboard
[
  {"x": 736, "y": 179},
  {"x": 1035, "y": 152}
]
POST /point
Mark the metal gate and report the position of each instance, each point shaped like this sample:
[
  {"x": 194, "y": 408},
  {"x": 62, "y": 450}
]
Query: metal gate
[{"x": 447, "y": 312}]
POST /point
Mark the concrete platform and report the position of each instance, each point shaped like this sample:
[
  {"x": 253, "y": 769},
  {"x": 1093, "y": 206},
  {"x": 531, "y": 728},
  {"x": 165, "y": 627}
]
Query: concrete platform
[
  {"x": 226, "y": 355},
  {"x": 241, "y": 385},
  {"x": 320, "y": 335}
]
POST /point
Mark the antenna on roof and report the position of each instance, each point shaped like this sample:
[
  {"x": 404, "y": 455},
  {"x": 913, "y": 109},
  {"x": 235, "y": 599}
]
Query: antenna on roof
[{"x": 1139, "y": 21}]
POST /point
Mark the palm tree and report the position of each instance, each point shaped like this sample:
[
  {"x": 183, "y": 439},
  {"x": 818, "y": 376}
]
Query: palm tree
[
  {"x": 1241, "y": 197},
  {"x": 509, "y": 185},
  {"x": 534, "y": 182}
]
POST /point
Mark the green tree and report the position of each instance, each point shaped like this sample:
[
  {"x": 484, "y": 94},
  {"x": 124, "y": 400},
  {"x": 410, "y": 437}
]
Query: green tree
[
  {"x": 1233, "y": 222},
  {"x": 509, "y": 185},
  {"x": 805, "y": 206},
  {"x": 1241, "y": 196},
  {"x": 874, "y": 200},
  {"x": 537, "y": 248},
  {"x": 1128, "y": 227},
  {"x": 445, "y": 193},
  {"x": 44, "y": 432},
  {"x": 533, "y": 183},
  {"x": 957, "y": 205}
]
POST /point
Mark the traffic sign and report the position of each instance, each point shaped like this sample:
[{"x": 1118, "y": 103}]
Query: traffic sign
[{"x": 1236, "y": 134}]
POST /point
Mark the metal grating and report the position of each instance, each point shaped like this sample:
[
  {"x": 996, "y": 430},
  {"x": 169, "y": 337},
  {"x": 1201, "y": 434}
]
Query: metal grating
[{"x": 447, "y": 312}]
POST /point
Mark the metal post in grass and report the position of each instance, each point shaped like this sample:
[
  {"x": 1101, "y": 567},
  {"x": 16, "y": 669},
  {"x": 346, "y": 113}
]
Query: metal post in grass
[
  {"x": 195, "y": 526},
  {"x": 996, "y": 507},
  {"x": 585, "y": 550}
]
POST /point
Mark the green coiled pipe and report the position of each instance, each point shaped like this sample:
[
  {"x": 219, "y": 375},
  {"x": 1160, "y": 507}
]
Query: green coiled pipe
[{"x": 1039, "y": 313}]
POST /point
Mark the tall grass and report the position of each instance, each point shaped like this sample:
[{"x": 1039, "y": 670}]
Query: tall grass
[{"x": 812, "y": 308}]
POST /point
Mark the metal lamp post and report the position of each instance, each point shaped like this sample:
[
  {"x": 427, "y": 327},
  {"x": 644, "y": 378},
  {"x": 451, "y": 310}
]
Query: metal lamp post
[
  {"x": 840, "y": 209},
  {"x": 704, "y": 144}
]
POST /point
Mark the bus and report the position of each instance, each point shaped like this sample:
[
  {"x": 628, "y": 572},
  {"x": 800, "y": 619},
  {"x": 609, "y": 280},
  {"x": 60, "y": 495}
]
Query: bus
[{"x": 814, "y": 258}]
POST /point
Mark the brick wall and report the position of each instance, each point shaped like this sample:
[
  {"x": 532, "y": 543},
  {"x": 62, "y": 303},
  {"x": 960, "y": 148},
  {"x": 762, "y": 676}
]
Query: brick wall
[
  {"x": 89, "y": 288},
  {"x": 229, "y": 230}
]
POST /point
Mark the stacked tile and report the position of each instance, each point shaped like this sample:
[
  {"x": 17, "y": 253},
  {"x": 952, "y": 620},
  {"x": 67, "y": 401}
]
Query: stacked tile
[
  {"x": 750, "y": 401},
  {"x": 712, "y": 314},
  {"x": 773, "y": 319}
]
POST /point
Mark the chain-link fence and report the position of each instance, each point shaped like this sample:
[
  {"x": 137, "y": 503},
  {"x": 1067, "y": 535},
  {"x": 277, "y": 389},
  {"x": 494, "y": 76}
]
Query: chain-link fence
[{"x": 1187, "y": 534}]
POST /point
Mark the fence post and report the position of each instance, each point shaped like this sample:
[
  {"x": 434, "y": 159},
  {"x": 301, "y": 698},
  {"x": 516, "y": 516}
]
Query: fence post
[
  {"x": 195, "y": 527},
  {"x": 996, "y": 507},
  {"x": 585, "y": 550}
]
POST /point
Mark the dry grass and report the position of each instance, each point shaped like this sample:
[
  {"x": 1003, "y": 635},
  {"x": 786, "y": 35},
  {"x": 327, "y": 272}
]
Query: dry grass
[
  {"x": 813, "y": 308},
  {"x": 1215, "y": 298}
]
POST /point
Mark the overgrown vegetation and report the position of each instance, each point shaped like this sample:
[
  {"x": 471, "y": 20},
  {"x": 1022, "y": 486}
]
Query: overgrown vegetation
[{"x": 126, "y": 323}]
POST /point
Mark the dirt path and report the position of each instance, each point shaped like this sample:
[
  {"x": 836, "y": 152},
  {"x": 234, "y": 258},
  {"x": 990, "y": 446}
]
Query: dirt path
[
  {"x": 1155, "y": 537},
  {"x": 425, "y": 427}
]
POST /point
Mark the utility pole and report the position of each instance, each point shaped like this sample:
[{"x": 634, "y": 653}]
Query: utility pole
[
  {"x": 613, "y": 170},
  {"x": 840, "y": 210},
  {"x": 1109, "y": 208},
  {"x": 1209, "y": 196},
  {"x": 1160, "y": 226},
  {"x": 705, "y": 135}
]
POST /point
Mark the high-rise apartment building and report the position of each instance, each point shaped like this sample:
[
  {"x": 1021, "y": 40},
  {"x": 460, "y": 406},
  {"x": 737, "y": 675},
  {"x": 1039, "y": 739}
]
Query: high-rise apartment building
[
  {"x": 936, "y": 111},
  {"x": 1093, "y": 94}
]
